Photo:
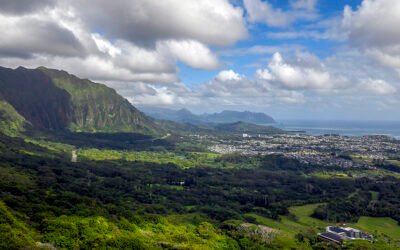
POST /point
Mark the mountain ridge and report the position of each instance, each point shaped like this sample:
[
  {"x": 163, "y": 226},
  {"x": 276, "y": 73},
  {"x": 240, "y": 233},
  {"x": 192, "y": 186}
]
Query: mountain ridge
[
  {"x": 226, "y": 116},
  {"x": 56, "y": 100}
]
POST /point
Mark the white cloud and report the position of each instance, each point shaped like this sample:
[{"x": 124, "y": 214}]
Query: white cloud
[
  {"x": 175, "y": 94},
  {"x": 190, "y": 52},
  {"x": 105, "y": 46},
  {"x": 264, "y": 74},
  {"x": 29, "y": 35},
  {"x": 136, "y": 46},
  {"x": 264, "y": 12},
  {"x": 372, "y": 28},
  {"x": 293, "y": 76},
  {"x": 304, "y": 4},
  {"x": 228, "y": 75},
  {"x": 214, "y": 22},
  {"x": 231, "y": 88},
  {"x": 259, "y": 11},
  {"x": 142, "y": 60},
  {"x": 378, "y": 87}
]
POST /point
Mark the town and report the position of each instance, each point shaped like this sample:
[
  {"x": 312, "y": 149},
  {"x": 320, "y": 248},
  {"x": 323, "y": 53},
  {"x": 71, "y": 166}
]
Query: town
[{"x": 324, "y": 150}]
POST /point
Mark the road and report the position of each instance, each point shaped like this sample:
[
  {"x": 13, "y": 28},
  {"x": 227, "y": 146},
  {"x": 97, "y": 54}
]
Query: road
[{"x": 74, "y": 157}]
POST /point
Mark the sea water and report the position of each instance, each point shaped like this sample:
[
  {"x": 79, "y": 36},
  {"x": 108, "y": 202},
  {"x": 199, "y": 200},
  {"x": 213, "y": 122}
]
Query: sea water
[{"x": 348, "y": 128}]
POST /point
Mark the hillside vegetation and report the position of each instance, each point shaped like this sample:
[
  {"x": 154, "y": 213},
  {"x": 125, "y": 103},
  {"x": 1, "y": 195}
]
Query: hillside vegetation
[
  {"x": 11, "y": 123},
  {"x": 55, "y": 100}
]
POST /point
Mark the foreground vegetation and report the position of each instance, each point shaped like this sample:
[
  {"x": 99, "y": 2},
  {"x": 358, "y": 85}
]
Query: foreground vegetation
[{"x": 165, "y": 197}]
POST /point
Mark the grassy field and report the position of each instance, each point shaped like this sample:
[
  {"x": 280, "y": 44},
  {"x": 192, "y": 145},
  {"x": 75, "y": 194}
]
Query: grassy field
[
  {"x": 289, "y": 227},
  {"x": 329, "y": 174},
  {"x": 303, "y": 214},
  {"x": 354, "y": 174},
  {"x": 378, "y": 226}
]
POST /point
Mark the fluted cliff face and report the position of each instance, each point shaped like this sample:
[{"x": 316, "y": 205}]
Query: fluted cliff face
[
  {"x": 36, "y": 98},
  {"x": 53, "y": 99}
]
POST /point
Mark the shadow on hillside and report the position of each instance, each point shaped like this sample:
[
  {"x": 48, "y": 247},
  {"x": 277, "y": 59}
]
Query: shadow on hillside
[{"x": 110, "y": 140}]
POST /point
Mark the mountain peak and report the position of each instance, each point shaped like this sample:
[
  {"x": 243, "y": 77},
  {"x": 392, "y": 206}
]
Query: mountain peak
[
  {"x": 231, "y": 116},
  {"x": 226, "y": 116},
  {"x": 184, "y": 111}
]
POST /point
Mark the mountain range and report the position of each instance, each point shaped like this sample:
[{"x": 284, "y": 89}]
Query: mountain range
[
  {"x": 226, "y": 116},
  {"x": 56, "y": 100}
]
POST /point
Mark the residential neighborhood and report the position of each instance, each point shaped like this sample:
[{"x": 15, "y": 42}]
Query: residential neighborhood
[{"x": 324, "y": 150}]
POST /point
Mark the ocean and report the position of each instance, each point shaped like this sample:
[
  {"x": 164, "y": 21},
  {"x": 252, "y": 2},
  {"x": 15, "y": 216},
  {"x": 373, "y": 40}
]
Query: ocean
[{"x": 348, "y": 128}]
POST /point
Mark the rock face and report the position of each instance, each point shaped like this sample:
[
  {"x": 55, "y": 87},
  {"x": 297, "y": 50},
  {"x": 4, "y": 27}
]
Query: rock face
[
  {"x": 55, "y": 100},
  {"x": 35, "y": 97}
]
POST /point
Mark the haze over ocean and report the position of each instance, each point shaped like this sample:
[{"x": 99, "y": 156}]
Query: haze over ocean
[{"x": 343, "y": 127}]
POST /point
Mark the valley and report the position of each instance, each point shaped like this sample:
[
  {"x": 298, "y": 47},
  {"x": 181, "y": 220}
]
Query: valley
[{"x": 199, "y": 125}]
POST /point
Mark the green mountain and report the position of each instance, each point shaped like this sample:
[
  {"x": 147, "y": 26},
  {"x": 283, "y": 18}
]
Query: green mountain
[
  {"x": 243, "y": 127},
  {"x": 219, "y": 128},
  {"x": 226, "y": 116},
  {"x": 11, "y": 123},
  {"x": 55, "y": 100},
  {"x": 230, "y": 116}
]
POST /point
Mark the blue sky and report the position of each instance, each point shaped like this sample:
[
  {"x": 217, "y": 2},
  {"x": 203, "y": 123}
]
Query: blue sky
[
  {"x": 293, "y": 59},
  {"x": 258, "y": 36}
]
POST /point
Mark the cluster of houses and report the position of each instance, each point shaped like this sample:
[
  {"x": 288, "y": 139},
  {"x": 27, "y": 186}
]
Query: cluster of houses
[{"x": 339, "y": 234}]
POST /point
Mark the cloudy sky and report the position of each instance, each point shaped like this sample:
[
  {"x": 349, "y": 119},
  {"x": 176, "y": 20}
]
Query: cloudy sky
[{"x": 299, "y": 59}]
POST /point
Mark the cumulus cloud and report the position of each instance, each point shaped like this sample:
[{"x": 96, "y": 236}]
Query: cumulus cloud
[
  {"x": 136, "y": 46},
  {"x": 96, "y": 68},
  {"x": 236, "y": 89},
  {"x": 105, "y": 46},
  {"x": 24, "y": 6},
  {"x": 190, "y": 52},
  {"x": 378, "y": 87},
  {"x": 301, "y": 76},
  {"x": 259, "y": 11},
  {"x": 264, "y": 74},
  {"x": 30, "y": 35},
  {"x": 150, "y": 94},
  {"x": 228, "y": 75},
  {"x": 264, "y": 12},
  {"x": 372, "y": 28},
  {"x": 268, "y": 87},
  {"x": 147, "y": 21},
  {"x": 227, "y": 88}
]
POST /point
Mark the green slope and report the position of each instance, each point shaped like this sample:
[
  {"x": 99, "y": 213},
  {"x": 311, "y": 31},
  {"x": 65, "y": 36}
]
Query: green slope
[
  {"x": 55, "y": 100},
  {"x": 11, "y": 123},
  {"x": 14, "y": 233},
  {"x": 96, "y": 107},
  {"x": 243, "y": 127}
]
